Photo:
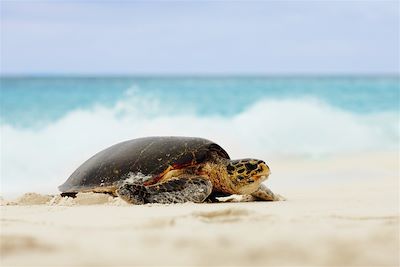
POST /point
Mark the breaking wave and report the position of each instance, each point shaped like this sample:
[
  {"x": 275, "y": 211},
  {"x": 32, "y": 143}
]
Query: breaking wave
[{"x": 41, "y": 159}]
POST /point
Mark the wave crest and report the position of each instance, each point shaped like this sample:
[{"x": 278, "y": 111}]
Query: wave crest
[{"x": 42, "y": 159}]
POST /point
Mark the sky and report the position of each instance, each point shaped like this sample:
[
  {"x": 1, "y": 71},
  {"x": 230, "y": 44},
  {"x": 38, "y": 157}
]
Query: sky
[{"x": 199, "y": 37}]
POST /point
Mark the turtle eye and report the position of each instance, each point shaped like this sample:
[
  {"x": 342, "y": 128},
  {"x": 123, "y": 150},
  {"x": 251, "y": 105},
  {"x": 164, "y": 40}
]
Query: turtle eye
[
  {"x": 251, "y": 167},
  {"x": 240, "y": 177}
]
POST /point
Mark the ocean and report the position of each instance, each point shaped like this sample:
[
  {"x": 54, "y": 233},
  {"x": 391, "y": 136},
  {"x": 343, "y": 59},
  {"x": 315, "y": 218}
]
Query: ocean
[{"x": 50, "y": 125}]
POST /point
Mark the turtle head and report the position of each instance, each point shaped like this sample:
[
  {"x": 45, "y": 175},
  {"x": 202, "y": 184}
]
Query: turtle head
[{"x": 246, "y": 175}]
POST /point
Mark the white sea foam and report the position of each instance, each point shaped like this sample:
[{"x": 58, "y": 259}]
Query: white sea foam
[{"x": 40, "y": 160}]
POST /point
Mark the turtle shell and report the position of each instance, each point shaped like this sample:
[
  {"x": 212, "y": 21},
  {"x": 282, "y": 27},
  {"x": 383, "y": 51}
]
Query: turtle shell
[{"x": 148, "y": 157}]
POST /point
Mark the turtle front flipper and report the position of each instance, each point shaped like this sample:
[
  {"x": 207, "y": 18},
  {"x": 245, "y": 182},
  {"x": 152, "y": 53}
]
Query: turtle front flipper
[
  {"x": 177, "y": 190},
  {"x": 133, "y": 193},
  {"x": 264, "y": 193}
]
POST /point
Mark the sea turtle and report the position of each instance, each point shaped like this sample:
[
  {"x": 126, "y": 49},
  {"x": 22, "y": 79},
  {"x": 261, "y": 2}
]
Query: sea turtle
[{"x": 169, "y": 170}]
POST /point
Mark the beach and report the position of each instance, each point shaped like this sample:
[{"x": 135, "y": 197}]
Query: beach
[
  {"x": 351, "y": 219},
  {"x": 309, "y": 88}
]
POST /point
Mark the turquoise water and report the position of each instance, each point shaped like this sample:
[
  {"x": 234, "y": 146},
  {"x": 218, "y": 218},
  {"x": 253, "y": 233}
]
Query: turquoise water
[
  {"x": 49, "y": 126},
  {"x": 36, "y": 102}
]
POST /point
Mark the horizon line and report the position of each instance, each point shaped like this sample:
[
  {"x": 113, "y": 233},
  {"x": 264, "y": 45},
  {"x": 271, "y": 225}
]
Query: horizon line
[{"x": 199, "y": 75}]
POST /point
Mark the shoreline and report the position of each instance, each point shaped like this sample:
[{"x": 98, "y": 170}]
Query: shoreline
[{"x": 339, "y": 212}]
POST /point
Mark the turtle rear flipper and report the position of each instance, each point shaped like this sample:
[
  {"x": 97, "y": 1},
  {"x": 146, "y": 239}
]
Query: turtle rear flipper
[{"x": 177, "y": 190}]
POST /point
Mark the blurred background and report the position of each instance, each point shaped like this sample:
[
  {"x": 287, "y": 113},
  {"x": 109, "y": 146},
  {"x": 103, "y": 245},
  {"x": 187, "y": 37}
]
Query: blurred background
[{"x": 274, "y": 80}]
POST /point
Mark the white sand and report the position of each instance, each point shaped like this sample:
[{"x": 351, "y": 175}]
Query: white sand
[{"x": 348, "y": 220}]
